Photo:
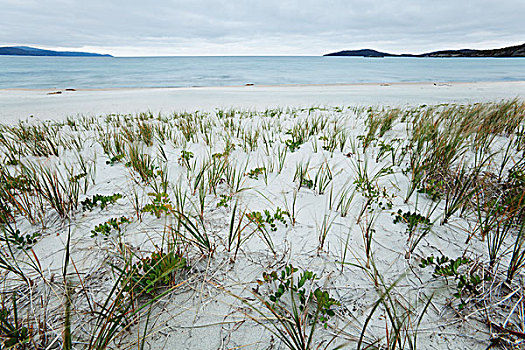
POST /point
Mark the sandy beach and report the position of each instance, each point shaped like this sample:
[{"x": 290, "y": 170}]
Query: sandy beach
[
  {"x": 265, "y": 217},
  {"x": 18, "y": 104},
  {"x": 262, "y": 175}
]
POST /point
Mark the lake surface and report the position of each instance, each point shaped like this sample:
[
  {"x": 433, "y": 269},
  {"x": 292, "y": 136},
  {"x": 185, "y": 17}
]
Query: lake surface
[{"x": 140, "y": 72}]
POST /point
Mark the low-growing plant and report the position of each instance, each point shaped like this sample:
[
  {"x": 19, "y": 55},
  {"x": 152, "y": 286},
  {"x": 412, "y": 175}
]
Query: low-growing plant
[
  {"x": 225, "y": 200},
  {"x": 160, "y": 182},
  {"x": 297, "y": 307},
  {"x": 292, "y": 145},
  {"x": 372, "y": 192},
  {"x": 261, "y": 219},
  {"x": 435, "y": 189},
  {"x": 413, "y": 220},
  {"x": 90, "y": 203},
  {"x": 268, "y": 218},
  {"x": 418, "y": 227},
  {"x": 115, "y": 159},
  {"x": 367, "y": 185},
  {"x": 185, "y": 157},
  {"x": 460, "y": 269},
  {"x": 16, "y": 238},
  {"x": 254, "y": 173},
  {"x": 307, "y": 183},
  {"x": 160, "y": 203},
  {"x": 106, "y": 227},
  {"x": 392, "y": 149}
]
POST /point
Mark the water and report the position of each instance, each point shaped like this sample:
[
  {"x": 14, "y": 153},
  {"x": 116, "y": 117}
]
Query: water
[{"x": 134, "y": 72}]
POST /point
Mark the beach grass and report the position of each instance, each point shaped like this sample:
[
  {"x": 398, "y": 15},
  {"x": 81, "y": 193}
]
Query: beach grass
[{"x": 161, "y": 226}]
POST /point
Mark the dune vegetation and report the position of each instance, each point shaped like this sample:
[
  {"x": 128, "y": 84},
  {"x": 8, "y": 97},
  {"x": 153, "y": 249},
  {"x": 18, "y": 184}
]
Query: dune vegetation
[{"x": 315, "y": 228}]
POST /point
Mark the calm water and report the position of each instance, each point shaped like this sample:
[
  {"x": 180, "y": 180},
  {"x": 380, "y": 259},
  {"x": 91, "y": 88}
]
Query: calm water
[{"x": 73, "y": 72}]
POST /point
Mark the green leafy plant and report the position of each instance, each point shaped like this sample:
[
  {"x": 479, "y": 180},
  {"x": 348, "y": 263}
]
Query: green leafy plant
[
  {"x": 296, "y": 306},
  {"x": 467, "y": 279},
  {"x": 374, "y": 194},
  {"x": 307, "y": 183},
  {"x": 268, "y": 218},
  {"x": 160, "y": 203},
  {"x": 433, "y": 188},
  {"x": 185, "y": 157},
  {"x": 390, "y": 148},
  {"x": 106, "y": 227},
  {"x": 254, "y": 173},
  {"x": 418, "y": 226},
  {"x": 413, "y": 220},
  {"x": 99, "y": 199},
  {"x": 115, "y": 159},
  {"x": 225, "y": 200},
  {"x": 16, "y": 238},
  {"x": 293, "y": 145},
  {"x": 261, "y": 219}
]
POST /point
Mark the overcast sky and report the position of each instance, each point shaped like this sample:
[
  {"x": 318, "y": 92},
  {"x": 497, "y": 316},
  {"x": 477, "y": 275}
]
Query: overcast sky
[{"x": 260, "y": 27}]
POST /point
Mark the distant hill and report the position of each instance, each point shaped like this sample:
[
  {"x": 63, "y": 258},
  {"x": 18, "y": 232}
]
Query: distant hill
[
  {"x": 360, "y": 53},
  {"x": 511, "y": 51},
  {"x": 33, "y": 51}
]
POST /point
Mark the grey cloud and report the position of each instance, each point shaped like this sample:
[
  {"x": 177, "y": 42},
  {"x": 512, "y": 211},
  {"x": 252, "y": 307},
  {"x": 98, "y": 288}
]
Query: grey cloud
[{"x": 301, "y": 27}]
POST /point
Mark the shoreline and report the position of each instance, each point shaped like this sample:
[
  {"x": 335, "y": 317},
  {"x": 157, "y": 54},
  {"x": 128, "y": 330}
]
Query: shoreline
[
  {"x": 249, "y": 85},
  {"x": 17, "y": 104}
]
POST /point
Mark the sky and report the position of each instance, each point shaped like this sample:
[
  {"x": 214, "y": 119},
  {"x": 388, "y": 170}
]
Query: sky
[{"x": 260, "y": 27}]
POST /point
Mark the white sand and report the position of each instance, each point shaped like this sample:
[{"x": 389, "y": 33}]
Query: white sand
[
  {"x": 18, "y": 104},
  {"x": 202, "y": 317}
]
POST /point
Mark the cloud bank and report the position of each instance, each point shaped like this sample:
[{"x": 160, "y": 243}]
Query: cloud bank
[{"x": 270, "y": 27}]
